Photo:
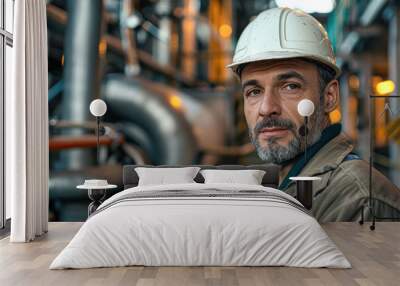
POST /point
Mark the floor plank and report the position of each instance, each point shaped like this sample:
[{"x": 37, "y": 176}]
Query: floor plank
[{"x": 375, "y": 257}]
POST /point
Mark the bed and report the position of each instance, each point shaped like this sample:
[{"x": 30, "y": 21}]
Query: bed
[{"x": 201, "y": 224}]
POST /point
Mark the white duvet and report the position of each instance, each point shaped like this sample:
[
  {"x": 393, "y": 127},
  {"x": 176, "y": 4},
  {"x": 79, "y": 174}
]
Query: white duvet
[{"x": 185, "y": 230}]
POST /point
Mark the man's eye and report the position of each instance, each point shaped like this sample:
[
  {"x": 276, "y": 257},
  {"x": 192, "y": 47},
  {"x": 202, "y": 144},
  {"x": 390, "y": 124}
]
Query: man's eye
[
  {"x": 291, "y": 86},
  {"x": 253, "y": 92}
]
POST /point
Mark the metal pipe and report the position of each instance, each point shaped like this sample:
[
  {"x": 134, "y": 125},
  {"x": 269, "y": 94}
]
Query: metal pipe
[
  {"x": 189, "y": 38},
  {"x": 128, "y": 39},
  {"x": 170, "y": 133},
  {"x": 114, "y": 42},
  {"x": 80, "y": 76}
]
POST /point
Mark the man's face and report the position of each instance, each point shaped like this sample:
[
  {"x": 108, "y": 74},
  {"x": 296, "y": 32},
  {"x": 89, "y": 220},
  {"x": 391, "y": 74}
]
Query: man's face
[{"x": 271, "y": 91}]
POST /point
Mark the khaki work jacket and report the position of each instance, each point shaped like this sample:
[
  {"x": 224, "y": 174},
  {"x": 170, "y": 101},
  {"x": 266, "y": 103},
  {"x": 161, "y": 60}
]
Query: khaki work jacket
[{"x": 343, "y": 188}]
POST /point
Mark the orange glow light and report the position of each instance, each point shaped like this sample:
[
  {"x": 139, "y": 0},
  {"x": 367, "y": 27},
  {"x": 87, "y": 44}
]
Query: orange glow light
[
  {"x": 225, "y": 31},
  {"x": 102, "y": 47},
  {"x": 175, "y": 102},
  {"x": 335, "y": 116},
  {"x": 385, "y": 87}
]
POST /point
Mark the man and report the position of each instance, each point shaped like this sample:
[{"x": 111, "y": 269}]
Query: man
[{"x": 282, "y": 57}]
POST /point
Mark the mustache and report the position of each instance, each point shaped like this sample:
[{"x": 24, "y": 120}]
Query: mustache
[{"x": 268, "y": 122}]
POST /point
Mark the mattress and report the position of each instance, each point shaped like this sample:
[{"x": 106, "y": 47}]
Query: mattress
[{"x": 201, "y": 225}]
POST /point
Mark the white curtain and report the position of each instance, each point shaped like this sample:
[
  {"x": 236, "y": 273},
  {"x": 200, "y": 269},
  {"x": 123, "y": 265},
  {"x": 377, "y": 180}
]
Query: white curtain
[{"x": 26, "y": 147}]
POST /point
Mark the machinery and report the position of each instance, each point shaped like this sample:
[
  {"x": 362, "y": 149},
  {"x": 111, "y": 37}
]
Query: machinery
[{"x": 157, "y": 114}]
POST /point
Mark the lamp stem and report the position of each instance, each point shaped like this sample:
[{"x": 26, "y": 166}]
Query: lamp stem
[
  {"x": 306, "y": 133},
  {"x": 98, "y": 138}
]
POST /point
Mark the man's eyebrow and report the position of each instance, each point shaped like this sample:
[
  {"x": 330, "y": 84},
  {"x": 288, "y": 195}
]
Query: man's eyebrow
[
  {"x": 251, "y": 82},
  {"x": 290, "y": 74}
]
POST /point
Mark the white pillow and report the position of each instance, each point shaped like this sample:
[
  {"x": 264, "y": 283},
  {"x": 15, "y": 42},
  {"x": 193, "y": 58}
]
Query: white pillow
[
  {"x": 249, "y": 177},
  {"x": 163, "y": 176}
]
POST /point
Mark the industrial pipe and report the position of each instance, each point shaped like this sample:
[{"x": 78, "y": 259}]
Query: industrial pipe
[
  {"x": 80, "y": 71},
  {"x": 168, "y": 130}
]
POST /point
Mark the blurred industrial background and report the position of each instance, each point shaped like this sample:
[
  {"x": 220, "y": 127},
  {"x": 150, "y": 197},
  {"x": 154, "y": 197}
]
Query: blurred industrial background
[{"x": 160, "y": 67}]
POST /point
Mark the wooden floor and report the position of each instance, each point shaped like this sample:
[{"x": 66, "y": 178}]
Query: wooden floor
[{"x": 375, "y": 256}]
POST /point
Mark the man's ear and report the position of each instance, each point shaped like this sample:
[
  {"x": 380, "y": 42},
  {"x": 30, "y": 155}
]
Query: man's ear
[{"x": 331, "y": 96}]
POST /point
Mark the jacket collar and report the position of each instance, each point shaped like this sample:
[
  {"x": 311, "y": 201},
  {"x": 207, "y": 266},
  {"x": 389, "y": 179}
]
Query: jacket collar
[
  {"x": 326, "y": 158},
  {"x": 329, "y": 157}
]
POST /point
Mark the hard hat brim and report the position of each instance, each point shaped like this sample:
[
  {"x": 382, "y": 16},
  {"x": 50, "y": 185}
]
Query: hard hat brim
[{"x": 282, "y": 55}]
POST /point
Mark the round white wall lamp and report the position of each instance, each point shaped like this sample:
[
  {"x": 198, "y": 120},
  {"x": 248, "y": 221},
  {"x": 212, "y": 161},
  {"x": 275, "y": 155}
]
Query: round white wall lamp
[
  {"x": 98, "y": 107},
  {"x": 305, "y": 107}
]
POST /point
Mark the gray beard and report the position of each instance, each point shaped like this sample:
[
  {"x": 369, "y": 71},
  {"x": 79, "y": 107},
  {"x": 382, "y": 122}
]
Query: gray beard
[{"x": 277, "y": 154}]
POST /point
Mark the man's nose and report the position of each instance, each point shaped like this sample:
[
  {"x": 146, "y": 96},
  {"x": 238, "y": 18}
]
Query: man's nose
[{"x": 270, "y": 105}]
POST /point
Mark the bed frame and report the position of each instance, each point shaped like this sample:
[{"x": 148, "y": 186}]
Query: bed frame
[{"x": 270, "y": 179}]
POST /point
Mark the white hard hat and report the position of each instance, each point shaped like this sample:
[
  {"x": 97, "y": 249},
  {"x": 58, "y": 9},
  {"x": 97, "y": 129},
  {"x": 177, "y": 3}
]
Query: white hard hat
[{"x": 282, "y": 33}]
